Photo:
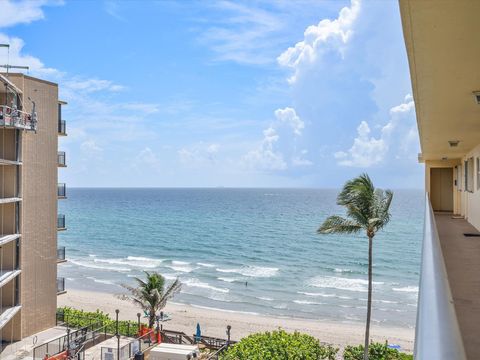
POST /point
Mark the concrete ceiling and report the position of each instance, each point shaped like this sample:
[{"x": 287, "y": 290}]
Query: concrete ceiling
[{"x": 443, "y": 46}]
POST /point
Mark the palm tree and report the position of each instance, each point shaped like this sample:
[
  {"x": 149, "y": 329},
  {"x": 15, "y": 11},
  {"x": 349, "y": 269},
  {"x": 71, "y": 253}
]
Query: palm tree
[
  {"x": 367, "y": 209},
  {"x": 151, "y": 294}
]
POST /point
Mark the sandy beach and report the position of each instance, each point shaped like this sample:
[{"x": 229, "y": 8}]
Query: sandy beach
[{"x": 214, "y": 322}]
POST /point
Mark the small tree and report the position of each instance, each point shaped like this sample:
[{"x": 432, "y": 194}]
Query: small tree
[
  {"x": 151, "y": 294},
  {"x": 368, "y": 209}
]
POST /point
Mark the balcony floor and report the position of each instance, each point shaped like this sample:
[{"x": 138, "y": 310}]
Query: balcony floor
[{"x": 462, "y": 259}]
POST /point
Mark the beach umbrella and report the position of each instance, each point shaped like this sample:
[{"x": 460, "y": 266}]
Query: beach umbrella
[{"x": 198, "y": 334}]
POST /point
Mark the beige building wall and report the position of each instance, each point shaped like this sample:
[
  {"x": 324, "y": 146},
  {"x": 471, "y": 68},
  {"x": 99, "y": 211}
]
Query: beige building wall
[
  {"x": 471, "y": 209},
  {"x": 38, "y": 292}
]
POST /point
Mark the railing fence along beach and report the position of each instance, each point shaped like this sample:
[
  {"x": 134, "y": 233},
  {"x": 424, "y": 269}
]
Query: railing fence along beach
[
  {"x": 78, "y": 340},
  {"x": 143, "y": 339},
  {"x": 437, "y": 335}
]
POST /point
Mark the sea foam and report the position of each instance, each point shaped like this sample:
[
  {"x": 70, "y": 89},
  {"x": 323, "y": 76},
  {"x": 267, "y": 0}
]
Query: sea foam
[
  {"x": 340, "y": 283},
  {"x": 199, "y": 284},
  {"x": 252, "y": 271}
]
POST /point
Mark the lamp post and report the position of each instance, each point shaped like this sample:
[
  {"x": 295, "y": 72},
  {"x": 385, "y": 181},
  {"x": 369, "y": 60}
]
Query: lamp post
[
  {"x": 138, "y": 317},
  {"x": 117, "y": 334},
  {"x": 228, "y": 335}
]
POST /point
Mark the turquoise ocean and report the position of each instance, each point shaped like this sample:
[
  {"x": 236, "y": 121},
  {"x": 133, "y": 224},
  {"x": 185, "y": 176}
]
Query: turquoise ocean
[{"x": 252, "y": 251}]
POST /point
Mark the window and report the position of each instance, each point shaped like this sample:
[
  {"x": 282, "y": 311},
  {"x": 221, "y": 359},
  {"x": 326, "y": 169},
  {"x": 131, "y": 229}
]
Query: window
[{"x": 469, "y": 175}]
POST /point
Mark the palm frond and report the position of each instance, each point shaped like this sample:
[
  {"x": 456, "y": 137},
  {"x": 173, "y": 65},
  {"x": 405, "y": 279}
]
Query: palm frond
[
  {"x": 150, "y": 294},
  {"x": 337, "y": 224},
  {"x": 358, "y": 193}
]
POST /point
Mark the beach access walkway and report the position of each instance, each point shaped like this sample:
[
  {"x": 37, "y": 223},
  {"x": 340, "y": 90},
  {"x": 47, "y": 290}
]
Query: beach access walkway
[{"x": 22, "y": 350}]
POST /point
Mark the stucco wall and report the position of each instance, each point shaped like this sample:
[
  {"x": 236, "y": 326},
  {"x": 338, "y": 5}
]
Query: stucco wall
[{"x": 39, "y": 208}]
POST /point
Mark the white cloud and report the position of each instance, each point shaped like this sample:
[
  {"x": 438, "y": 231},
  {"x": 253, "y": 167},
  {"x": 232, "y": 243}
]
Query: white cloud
[
  {"x": 147, "y": 157},
  {"x": 199, "y": 154},
  {"x": 406, "y": 106},
  {"x": 91, "y": 148},
  {"x": 112, "y": 9},
  {"x": 328, "y": 34},
  {"x": 16, "y": 57},
  {"x": 290, "y": 117},
  {"x": 265, "y": 157},
  {"x": 145, "y": 108},
  {"x": 368, "y": 150},
  {"x": 22, "y": 12},
  {"x": 299, "y": 160},
  {"x": 270, "y": 153},
  {"x": 92, "y": 85},
  {"x": 242, "y": 34},
  {"x": 365, "y": 150}
]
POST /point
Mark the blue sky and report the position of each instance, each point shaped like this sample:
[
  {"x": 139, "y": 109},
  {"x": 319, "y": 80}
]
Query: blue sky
[{"x": 223, "y": 93}]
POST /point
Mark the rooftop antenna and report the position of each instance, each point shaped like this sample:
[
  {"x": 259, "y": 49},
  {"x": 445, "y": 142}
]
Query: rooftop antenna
[{"x": 7, "y": 66}]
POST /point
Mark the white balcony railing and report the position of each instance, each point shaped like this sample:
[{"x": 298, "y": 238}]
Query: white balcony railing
[
  {"x": 12, "y": 117},
  {"x": 437, "y": 335}
]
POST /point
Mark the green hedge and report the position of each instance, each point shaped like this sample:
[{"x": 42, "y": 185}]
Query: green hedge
[
  {"x": 275, "y": 345},
  {"x": 79, "y": 318},
  {"x": 280, "y": 345},
  {"x": 376, "y": 351}
]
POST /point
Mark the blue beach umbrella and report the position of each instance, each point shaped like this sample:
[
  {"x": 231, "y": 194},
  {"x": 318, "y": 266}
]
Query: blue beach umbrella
[{"x": 198, "y": 334}]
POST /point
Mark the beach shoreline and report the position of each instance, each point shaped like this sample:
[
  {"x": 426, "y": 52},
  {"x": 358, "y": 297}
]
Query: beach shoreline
[{"x": 214, "y": 322}]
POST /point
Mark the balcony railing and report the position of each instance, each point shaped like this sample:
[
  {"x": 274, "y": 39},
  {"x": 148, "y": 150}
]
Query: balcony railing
[
  {"x": 437, "y": 335},
  {"x": 62, "y": 127},
  {"x": 60, "y": 285},
  {"x": 61, "y": 254},
  {"x": 62, "y": 190},
  {"x": 61, "y": 222},
  {"x": 12, "y": 117},
  {"x": 62, "y": 159}
]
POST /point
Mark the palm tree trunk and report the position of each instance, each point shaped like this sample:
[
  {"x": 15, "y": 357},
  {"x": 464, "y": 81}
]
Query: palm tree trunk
[
  {"x": 151, "y": 319},
  {"x": 369, "y": 302}
]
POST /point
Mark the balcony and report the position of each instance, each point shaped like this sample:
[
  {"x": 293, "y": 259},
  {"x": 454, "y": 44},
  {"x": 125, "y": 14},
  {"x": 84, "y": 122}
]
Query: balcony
[
  {"x": 61, "y": 286},
  {"x": 62, "y": 190},
  {"x": 9, "y": 200},
  {"x": 62, "y": 128},
  {"x": 13, "y": 118},
  {"x": 61, "y": 255},
  {"x": 5, "y": 239},
  {"x": 61, "y": 222},
  {"x": 62, "y": 159},
  {"x": 440, "y": 304},
  {"x": 8, "y": 275},
  {"x": 4, "y": 162},
  {"x": 7, "y": 313}
]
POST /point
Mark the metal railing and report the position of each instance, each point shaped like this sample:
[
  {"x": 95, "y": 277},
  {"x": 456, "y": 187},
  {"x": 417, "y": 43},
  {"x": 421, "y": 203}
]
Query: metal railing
[
  {"x": 216, "y": 355},
  {"x": 62, "y": 158},
  {"x": 437, "y": 335},
  {"x": 61, "y": 224},
  {"x": 62, "y": 127},
  {"x": 61, "y": 253},
  {"x": 60, "y": 285},
  {"x": 62, "y": 190},
  {"x": 140, "y": 344},
  {"x": 12, "y": 117},
  {"x": 73, "y": 342}
]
